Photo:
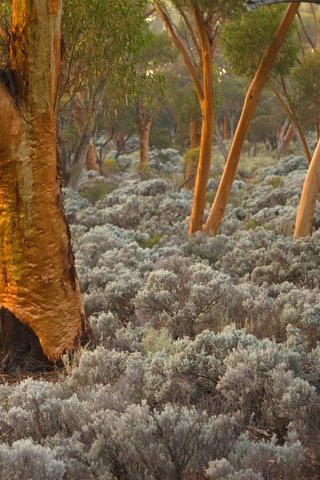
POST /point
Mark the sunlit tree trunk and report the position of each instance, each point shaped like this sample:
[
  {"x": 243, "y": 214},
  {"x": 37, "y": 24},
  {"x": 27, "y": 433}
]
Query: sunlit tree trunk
[
  {"x": 207, "y": 111},
  {"x": 253, "y": 94},
  {"x": 309, "y": 197},
  {"x": 41, "y": 308}
]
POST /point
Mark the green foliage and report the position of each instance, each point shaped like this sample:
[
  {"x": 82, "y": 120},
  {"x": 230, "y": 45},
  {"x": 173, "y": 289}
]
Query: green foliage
[
  {"x": 152, "y": 241},
  {"x": 245, "y": 38},
  {"x": 102, "y": 39},
  {"x": 191, "y": 156},
  {"x": 276, "y": 181},
  {"x": 306, "y": 88},
  {"x": 110, "y": 166},
  {"x": 98, "y": 191},
  {"x": 157, "y": 340}
]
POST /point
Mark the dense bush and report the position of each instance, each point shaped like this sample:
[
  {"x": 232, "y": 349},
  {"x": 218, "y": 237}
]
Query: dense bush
[{"x": 208, "y": 357}]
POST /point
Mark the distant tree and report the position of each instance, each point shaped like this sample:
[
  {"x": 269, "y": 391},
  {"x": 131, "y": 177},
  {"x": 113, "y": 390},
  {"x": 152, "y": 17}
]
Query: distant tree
[
  {"x": 196, "y": 42},
  {"x": 269, "y": 56},
  {"x": 101, "y": 42}
]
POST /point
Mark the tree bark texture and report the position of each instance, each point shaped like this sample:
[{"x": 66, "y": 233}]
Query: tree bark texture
[
  {"x": 253, "y": 94},
  {"x": 38, "y": 281},
  {"x": 207, "y": 132},
  {"x": 310, "y": 191}
]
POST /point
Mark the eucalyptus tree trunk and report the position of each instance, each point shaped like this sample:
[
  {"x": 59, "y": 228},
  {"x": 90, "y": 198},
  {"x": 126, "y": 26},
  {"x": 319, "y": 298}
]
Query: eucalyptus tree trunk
[
  {"x": 207, "y": 131},
  {"x": 253, "y": 94},
  {"x": 308, "y": 200},
  {"x": 86, "y": 128},
  {"x": 41, "y": 311},
  {"x": 203, "y": 85},
  {"x": 144, "y": 120},
  {"x": 190, "y": 168}
]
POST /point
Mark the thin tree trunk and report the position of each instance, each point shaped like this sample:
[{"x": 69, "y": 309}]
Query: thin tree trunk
[
  {"x": 190, "y": 168},
  {"x": 311, "y": 187},
  {"x": 289, "y": 136},
  {"x": 253, "y": 94},
  {"x": 92, "y": 158},
  {"x": 194, "y": 133},
  {"x": 80, "y": 158},
  {"x": 38, "y": 282},
  {"x": 207, "y": 111},
  {"x": 226, "y": 128},
  {"x": 144, "y": 126}
]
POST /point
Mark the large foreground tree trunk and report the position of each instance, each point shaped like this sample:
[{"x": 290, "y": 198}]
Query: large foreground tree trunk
[
  {"x": 253, "y": 94},
  {"x": 38, "y": 284}
]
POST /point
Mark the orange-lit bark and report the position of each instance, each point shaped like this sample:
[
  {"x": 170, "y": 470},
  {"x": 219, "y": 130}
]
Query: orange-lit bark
[
  {"x": 203, "y": 85},
  {"x": 207, "y": 111},
  {"x": 309, "y": 197},
  {"x": 253, "y": 94},
  {"x": 38, "y": 282}
]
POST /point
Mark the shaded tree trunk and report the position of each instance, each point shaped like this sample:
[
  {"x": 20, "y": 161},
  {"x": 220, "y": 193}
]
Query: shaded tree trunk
[
  {"x": 289, "y": 136},
  {"x": 144, "y": 119},
  {"x": 86, "y": 128},
  {"x": 92, "y": 158},
  {"x": 253, "y": 94},
  {"x": 311, "y": 188},
  {"x": 38, "y": 284},
  {"x": 80, "y": 158},
  {"x": 190, "y": 168}
]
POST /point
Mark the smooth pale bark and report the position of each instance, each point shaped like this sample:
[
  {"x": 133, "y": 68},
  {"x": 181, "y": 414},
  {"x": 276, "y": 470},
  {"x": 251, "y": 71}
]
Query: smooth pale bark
[
  {"x": 38, "y": 281},
  {"x": 144, "y": 120},
  {"x": 253, "y": 94},
  {"x": 207, "y": 131},
  {"x": 307, "y": 205}
]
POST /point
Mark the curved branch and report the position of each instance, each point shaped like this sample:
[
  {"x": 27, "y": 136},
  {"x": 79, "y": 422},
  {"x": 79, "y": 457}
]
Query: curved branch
[{"x": 178, "y": 43}]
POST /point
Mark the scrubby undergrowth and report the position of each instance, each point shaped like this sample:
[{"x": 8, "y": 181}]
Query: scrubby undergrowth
[{"x": 208, "y": 363}]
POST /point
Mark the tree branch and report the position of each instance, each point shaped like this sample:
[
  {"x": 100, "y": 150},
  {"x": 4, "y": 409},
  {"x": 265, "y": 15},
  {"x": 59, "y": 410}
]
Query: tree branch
[{"x": 176, "y": 40}]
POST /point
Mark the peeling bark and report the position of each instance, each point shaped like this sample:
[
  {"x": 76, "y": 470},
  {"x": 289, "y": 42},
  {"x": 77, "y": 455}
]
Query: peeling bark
[{"x": 38, "y": 282}]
